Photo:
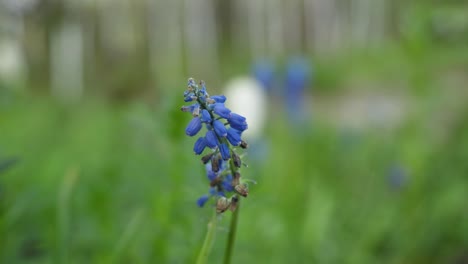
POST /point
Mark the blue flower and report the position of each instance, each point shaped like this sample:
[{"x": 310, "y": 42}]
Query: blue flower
[
  {"x": 203, "y": 89},
  {"x": 205, "y": 116},
  {"x": 237, "y": 122},
  {"x": 219, "y": 128},
  {"x": 221, "y": 110},
  {"x": 219, "y": 98},
  {"x": 234, "y": 136},
  {"x": 210, "y": 175},
  {"x": 202, "y": 99},
  {"x": 215, "y": 192},
  {"x": 193, "y": 127},
  {"x": 264, "y": 73},
  {"x": 224, "y": 149},
  {"x": 190, "y": 108},
  {"x": 223, "y": 161},
  {"x": 202, "y": 200},
  {"x": 297, "y": 80},
  {"x": 227, "y": 183},
  {"x": 199, "y": 145},
  {"x": 191, "y": 82},
  {"x": 211, "y": 139},
  {"x": 189, "y": 98}
]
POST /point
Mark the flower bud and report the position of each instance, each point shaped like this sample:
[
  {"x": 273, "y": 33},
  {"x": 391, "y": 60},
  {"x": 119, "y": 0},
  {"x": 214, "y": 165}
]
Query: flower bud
[
  {"x": 215, "y": 163},
  {"x": 244, "y": 144},
  {"x": 216, "y": 181},
  {"x": 234, "y": 203},
  {"x": 222, "y": 205},
  {"x": 236, "y": 179},
  {"x": 196, "y": 112},
  {"x": 242, "y": 189},
  {"x": 236, "y": 160},
  {"x": 191, "y": 83},
  {"x": 207, "y": 157}
]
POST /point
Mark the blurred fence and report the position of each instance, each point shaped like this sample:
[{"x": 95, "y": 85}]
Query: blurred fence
[{"x": 124, "y": 47}]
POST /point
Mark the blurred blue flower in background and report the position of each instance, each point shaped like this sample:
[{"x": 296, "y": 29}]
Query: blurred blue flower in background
[
  {"x": 264, "y": 72},
  {"x": 297, "y": 80},
  {"x": 397, "y": 177}
]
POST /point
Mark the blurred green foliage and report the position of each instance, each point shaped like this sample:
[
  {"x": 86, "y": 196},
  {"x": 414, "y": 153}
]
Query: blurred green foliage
[{"x": 104, "y": 182}]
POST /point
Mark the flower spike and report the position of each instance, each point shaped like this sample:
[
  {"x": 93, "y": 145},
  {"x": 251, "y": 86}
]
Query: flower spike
[{"x": 223, "y": 133}]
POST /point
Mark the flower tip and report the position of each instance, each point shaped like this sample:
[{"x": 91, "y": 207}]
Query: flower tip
[{"x": 202, "y": 200}]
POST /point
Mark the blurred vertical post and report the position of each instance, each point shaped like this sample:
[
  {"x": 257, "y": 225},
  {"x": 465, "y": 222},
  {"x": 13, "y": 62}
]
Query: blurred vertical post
[
  {"x": 201, "y": 43},
  {"x": 165, "y": 31},
  {"x": 319, "y": 23},
  {"x": 275, "y": 28},
  {"x": 255, "y": 20},
  {"x": 67, "y": 62},
  {"x": 293, "y": 26},
  {"x": 360, "y": 21}
]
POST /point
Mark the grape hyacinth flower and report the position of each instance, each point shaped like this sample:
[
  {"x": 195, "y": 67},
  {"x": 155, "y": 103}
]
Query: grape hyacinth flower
[{"x": 222, "y": 139}]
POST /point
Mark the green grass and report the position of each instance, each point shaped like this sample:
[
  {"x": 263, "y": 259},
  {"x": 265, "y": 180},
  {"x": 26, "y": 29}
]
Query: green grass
[{"x": 97, "y": 183}]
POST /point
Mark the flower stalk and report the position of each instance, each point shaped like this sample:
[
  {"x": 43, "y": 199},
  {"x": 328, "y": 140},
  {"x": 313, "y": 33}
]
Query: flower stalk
[
  {"x": 209, "y": 239},
  {"x": 231, "y": 236}
]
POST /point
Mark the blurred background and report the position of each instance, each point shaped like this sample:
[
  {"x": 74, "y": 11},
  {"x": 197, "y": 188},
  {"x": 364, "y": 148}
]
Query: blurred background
[{"x": 358, "y": 127}]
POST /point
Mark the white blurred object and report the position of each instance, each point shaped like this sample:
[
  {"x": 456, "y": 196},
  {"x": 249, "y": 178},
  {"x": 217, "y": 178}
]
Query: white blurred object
[
  {"x": 246, "y": 97},
  {"x": 67, "y": 62}
]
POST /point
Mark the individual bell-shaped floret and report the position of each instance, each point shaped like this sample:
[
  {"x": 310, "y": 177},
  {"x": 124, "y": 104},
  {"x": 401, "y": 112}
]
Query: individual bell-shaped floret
[
  {"x": 199, "y": 145},
  {"x": 237, "y": 122},
  {"x": 219, "y": 98},
  {"x": 193, "y": 127},
  {"x": 211, "y": 139},
  {"x": 205, "y": 116},
  {"x": 219, "y": 128},
  {"x": 221, "y": 110},
  {"x": 234, "y": 136},
  {"x": 224, "y": 149}
]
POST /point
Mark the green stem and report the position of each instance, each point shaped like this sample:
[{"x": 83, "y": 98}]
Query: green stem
[
  {"x": 231, "y": 236},
  {"x": 209, "y": 239},
  {"x": 212, "y": 225}
]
